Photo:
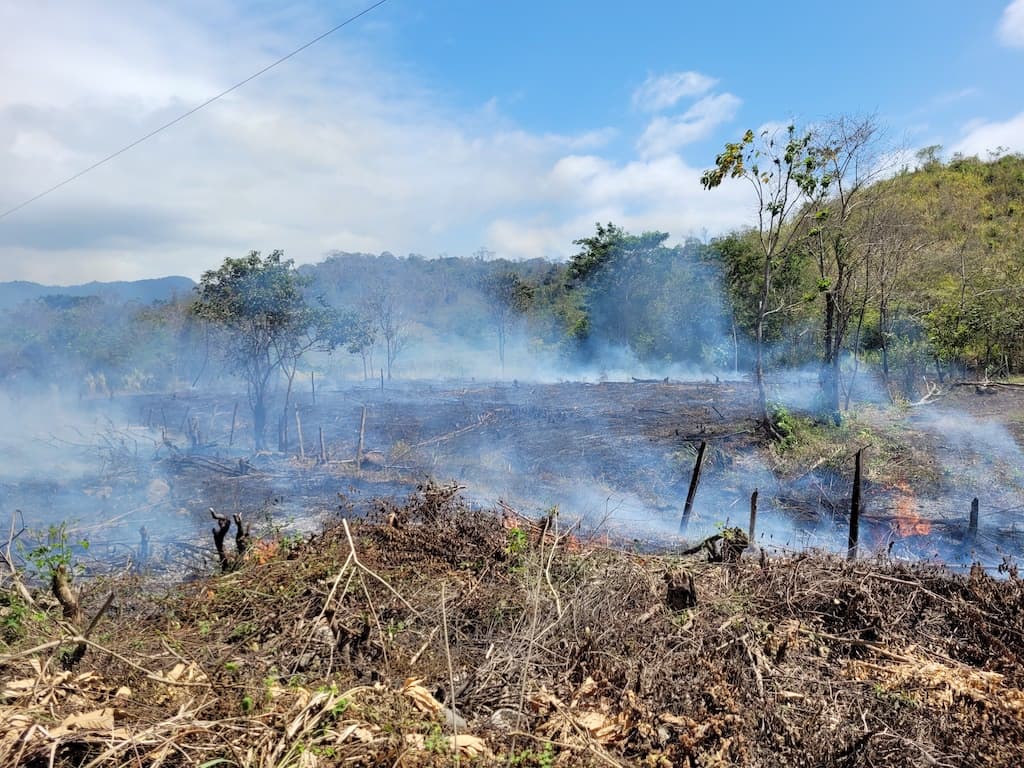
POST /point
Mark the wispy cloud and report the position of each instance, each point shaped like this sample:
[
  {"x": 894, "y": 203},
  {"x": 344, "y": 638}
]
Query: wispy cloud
[
  {"x": 662, "y": 193},
  {"x": 984, "y": 136},
  {"x": 667, "y": 134},
  {"x": 1011, "y": 25},
  {"x": 336, "y": 149},
  {"x": 660, "y": 92}
]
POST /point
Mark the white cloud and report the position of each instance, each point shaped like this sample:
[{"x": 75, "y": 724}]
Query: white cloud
[
  {"x": 330, "y": 151},
  {"x": 327, "y": 152},
  {"x": 665, "y": 135},
  {"x": 662, "y": 193},
  {"x": 664, "y": 91},
  {"x": 1011, "y": 25},
  {"x": 982, "y": 137}
]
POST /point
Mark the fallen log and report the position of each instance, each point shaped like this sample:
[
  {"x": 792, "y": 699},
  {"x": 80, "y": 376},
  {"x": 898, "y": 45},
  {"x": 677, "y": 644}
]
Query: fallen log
[
  {"x": 650, "y": 381},
  {"x": 987, "y": 384}
]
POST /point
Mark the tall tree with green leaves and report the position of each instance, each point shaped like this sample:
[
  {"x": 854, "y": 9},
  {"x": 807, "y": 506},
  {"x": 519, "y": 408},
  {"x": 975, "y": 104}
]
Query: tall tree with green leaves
[
  {"x": 260, "y": 304},
  {"x": 783, "y": 168}
]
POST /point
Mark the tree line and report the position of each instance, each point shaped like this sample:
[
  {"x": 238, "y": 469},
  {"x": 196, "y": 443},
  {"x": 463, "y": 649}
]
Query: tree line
[
  {"x": 853, "y": 263},
  {"x": 913, "y": 268}
]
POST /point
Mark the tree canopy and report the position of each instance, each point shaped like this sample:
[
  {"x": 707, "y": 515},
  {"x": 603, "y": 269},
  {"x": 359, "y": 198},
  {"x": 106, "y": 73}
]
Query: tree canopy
[{"x": 260, "y": 304}]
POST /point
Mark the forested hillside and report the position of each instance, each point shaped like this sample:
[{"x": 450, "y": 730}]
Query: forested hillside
[
  {"x": 919, "y": 275},
  {"x": 925, "y": 276}
]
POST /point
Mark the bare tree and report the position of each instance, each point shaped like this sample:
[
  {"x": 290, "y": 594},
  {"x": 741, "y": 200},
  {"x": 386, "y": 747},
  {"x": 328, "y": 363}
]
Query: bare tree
[
  {"x": 384, "y": 308},
  {"x": 508, "y": 297},
  {"x": 850, "y": 159}
]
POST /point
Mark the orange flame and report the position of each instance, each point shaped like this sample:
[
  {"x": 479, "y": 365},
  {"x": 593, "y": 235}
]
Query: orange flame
[{"x": 908, "y": 522}]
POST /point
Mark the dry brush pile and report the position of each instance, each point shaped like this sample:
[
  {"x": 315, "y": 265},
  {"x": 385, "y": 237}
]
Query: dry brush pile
[{"x": 436, "y": 634}]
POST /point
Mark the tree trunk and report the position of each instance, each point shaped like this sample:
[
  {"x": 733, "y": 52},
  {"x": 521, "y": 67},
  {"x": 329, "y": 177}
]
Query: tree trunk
[
  {"x": 830, "y": 359},
  {"x": 259, "y": 423},
  {"x": 762, "y": 311}
]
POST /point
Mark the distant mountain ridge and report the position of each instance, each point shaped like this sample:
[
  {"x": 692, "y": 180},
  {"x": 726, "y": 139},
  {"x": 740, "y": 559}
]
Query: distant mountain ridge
[{"x": 143, "y": 291}]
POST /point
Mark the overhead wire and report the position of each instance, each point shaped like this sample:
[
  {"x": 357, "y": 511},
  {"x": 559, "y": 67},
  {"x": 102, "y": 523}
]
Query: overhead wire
[{"x": 192, "y": 111}]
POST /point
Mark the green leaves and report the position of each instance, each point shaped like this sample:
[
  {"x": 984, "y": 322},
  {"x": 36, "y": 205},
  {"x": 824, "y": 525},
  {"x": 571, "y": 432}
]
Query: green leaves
[{"x": 260, "y": 303}]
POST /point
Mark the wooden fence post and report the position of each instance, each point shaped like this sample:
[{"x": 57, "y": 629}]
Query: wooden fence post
[
  {"x": 684, "y": 522},
  {"x": 359, "y": 447},
  {"x": 851, "y": 550},
  {"x": 972, "y": 523},
  {"x": 234, "y": 414},
  {"x": 753, "y": 517}
]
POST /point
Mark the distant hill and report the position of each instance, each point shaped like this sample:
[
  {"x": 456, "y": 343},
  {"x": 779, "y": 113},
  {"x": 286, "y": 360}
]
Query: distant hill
[{"x": 143, "y": 291}]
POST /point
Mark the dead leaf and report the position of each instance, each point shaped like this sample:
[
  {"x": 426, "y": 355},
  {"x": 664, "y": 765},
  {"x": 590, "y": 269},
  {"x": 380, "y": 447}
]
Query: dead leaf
[
  {"x": 600, "y": 727},
  {"x": 468, "y": 746},
  {"x": 96, "y": 720},
  {"x": 18, "y": 688},
  {"x": 586, "y": 688},
  {"x": 421, "y": 697},
  {"x": 180, "y": 672}
]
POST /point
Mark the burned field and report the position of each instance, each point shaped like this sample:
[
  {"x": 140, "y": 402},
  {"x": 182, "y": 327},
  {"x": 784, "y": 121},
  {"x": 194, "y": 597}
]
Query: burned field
[{"x": 615, "y": 457}]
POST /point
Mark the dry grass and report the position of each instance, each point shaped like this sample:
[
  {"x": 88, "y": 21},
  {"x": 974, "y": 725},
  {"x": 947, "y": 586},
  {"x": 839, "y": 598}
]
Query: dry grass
[{"x": 436, "y": 634}]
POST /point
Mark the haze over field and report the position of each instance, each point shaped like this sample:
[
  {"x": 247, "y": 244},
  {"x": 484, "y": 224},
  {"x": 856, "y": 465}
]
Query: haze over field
[{"x": 443, "y": 128}]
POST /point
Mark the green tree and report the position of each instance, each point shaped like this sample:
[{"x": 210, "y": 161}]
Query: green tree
[
  {"x": 661, "y": 302},
  {"x": 782, "y": 167},
  {"x": 596, "y": 251},
  {"x": 259, "y": 303}
]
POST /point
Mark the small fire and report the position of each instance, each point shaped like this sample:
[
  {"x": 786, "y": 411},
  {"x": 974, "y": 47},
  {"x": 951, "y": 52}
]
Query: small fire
[{"x": 908, "y": 522}]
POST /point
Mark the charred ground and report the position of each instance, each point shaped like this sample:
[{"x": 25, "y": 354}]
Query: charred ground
[{"x": 616, "y": 456}]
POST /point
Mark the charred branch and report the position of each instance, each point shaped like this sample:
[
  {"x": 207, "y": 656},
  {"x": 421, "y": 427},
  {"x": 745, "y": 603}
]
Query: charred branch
[
  {"x": 243, "y": 537},
  {"x": 223, "y": 526},
  {"x": 724, "y": 547},
  {"x": 692, "y": 492},
  {"x": 143, "y": 554},
  {"x": 681, "y": 592},
  {"x": 855, "y": 509},
  {"x": 67, "y": 596}
]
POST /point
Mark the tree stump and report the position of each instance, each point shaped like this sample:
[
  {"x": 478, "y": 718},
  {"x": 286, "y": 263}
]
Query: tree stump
[{"x": 682, "y": 590}]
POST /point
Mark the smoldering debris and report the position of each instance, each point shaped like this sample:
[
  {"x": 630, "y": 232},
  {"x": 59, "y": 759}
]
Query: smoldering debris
[
  {"x": 614, "y": 458},
  {"x": 435, "y": 632}
]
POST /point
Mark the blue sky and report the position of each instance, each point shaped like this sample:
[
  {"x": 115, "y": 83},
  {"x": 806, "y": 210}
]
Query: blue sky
[{"x": 438, "y": 127}]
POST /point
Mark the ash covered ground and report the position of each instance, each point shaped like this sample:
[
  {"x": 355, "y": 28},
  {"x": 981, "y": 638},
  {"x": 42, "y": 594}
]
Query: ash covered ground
[{"x": 615, "y": 457}]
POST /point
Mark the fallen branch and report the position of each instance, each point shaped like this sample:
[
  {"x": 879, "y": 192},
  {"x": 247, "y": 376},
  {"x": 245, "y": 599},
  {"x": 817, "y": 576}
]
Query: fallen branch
[
  {"x": 483, "y": 420},
  {"x": 933, "y": 393}
]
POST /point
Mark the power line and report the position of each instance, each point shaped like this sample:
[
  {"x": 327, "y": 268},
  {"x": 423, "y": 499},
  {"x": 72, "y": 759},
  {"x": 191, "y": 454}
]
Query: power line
[{"x": 192, "y": 111}]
